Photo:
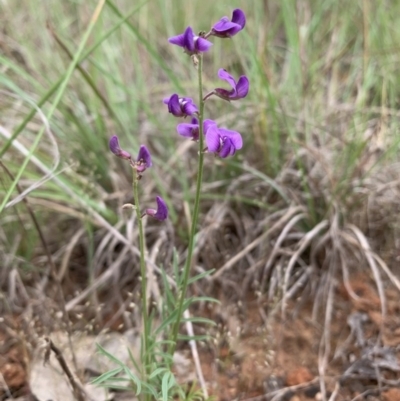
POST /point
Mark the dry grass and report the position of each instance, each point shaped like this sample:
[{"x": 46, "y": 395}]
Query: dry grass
[{"x": 311, "y": 201}]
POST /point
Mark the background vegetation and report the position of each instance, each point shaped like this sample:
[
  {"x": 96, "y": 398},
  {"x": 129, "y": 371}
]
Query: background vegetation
[{"x": 314, "y": 192}]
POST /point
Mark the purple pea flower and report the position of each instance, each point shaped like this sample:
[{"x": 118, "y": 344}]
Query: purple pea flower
[
  {"x": 189, "y": 130},
  {"x": 180, "y": 106},
  {"x": 162, "y": 211},
  {"x": 191, "y": 43},
  {"x": 116, "y": 149},
  {"x": 143, "y": 160},
  {"x": 221, "y": 141},
  {"x": 239, "y": 90},
  {"x": 225, "y": 28}
]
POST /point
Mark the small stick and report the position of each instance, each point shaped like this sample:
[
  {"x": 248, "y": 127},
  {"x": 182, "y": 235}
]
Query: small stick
[
  {"x": 79, "y": 392},
  {"x": 195, "y": 354}
]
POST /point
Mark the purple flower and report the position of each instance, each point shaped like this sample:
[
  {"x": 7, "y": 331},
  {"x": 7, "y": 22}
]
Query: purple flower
[
  {"x": 162, "y": 211},
  {"x": 116, "y": 149},
  {"x": 226, "y": 29},
  {"x": 189, "y": 130},
  {"x": 143, "y": 160},
  {"x": 180, "y": 106},
  {"x": 239, "y": 89},
  {"x": 191, "y": 44},
  {"x": 221, "y": 141}
]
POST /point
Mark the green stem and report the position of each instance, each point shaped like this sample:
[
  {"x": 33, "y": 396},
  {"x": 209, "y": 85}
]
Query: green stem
[
  {"x": 193, "y": 230},
  {"x": 145, "y": 351}
]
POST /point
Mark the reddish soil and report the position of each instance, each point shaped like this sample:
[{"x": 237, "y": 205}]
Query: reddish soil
[{"x": 276, "y": 357}]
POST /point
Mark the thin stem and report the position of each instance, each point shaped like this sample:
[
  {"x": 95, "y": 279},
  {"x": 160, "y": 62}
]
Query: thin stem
[
  {"x": 186, "y": 271},
  {"x": 145, "y": 351}
]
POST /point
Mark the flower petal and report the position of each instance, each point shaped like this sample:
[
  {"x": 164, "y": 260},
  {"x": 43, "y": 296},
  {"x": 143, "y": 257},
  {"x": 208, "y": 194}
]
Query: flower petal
[
  {"x": 223, "y": 25},
  {"x": 114, "y": 145},
  {"x": 234, "y": 136},
  {"x": 227, "y": 148},
  {"x": 144, "y": 156},
  {"x": 225, "y": 28},
  {"x": 188, "y": 130},
  {"x": 207, "y": 124},
  {"x": 223, "y": 74},
  {"x": 177, "y": 40},
  {"x": 213, "y": 138},
  {"x": 202, "y": 45},
  {"x": 239, "y": 17},
  {"x": 162, "y": 210},
  {"x": 242, "y": 87},
  {"x": 188, "y": 39},
  {"x": 116, "y": 149},
  {"x": 166, "y": 100},
  {"x": 189, "y": 108},
  {"x": 174, "y": 106}
]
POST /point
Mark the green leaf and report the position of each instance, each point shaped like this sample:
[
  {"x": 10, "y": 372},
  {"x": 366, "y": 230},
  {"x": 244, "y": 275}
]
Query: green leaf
[
  {"x": 131, "y": 357},
  {"x": 168, "y": 381},
  {"x": 194, "y": 338},
  {"x": 200, "y": 276},
  {"x": 109, "y": 356},
  {"x": 157, "y": 372},
  {"x": 105, "y": 376},
  {"x": 198, "y": 319},
  {"x": 166, "y": 322},
  {"x": 135, "y": 379},
  {"x": 202, "y": 299}
]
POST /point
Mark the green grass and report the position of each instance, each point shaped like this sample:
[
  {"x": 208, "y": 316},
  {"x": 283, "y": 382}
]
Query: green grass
[{"x": 321, "y": 73}]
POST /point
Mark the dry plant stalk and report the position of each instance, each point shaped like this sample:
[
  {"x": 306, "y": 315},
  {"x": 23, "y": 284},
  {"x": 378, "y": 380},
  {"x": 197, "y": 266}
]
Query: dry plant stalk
[{"x": 77, "y": 388}]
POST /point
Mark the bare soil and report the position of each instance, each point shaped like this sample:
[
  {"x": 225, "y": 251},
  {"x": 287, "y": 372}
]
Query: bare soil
[{"x": 261, "y": 357}]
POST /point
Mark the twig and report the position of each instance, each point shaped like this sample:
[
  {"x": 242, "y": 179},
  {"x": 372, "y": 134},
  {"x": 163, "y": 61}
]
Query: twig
[
  {"x": 335, "y": 392},
  {"x": 325, "y": 344},
  {"x": 195, "y": 354},
  {"x": 79, "y": 392}
]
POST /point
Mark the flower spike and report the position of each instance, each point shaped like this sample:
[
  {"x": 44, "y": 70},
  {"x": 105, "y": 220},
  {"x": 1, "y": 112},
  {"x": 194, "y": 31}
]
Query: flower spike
[
  {"x": 225, "y": 28},
  {"x": 190, "y": 43},
  {"x": 162, "y": 210},
  {"x": 116, "y": 149}
]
